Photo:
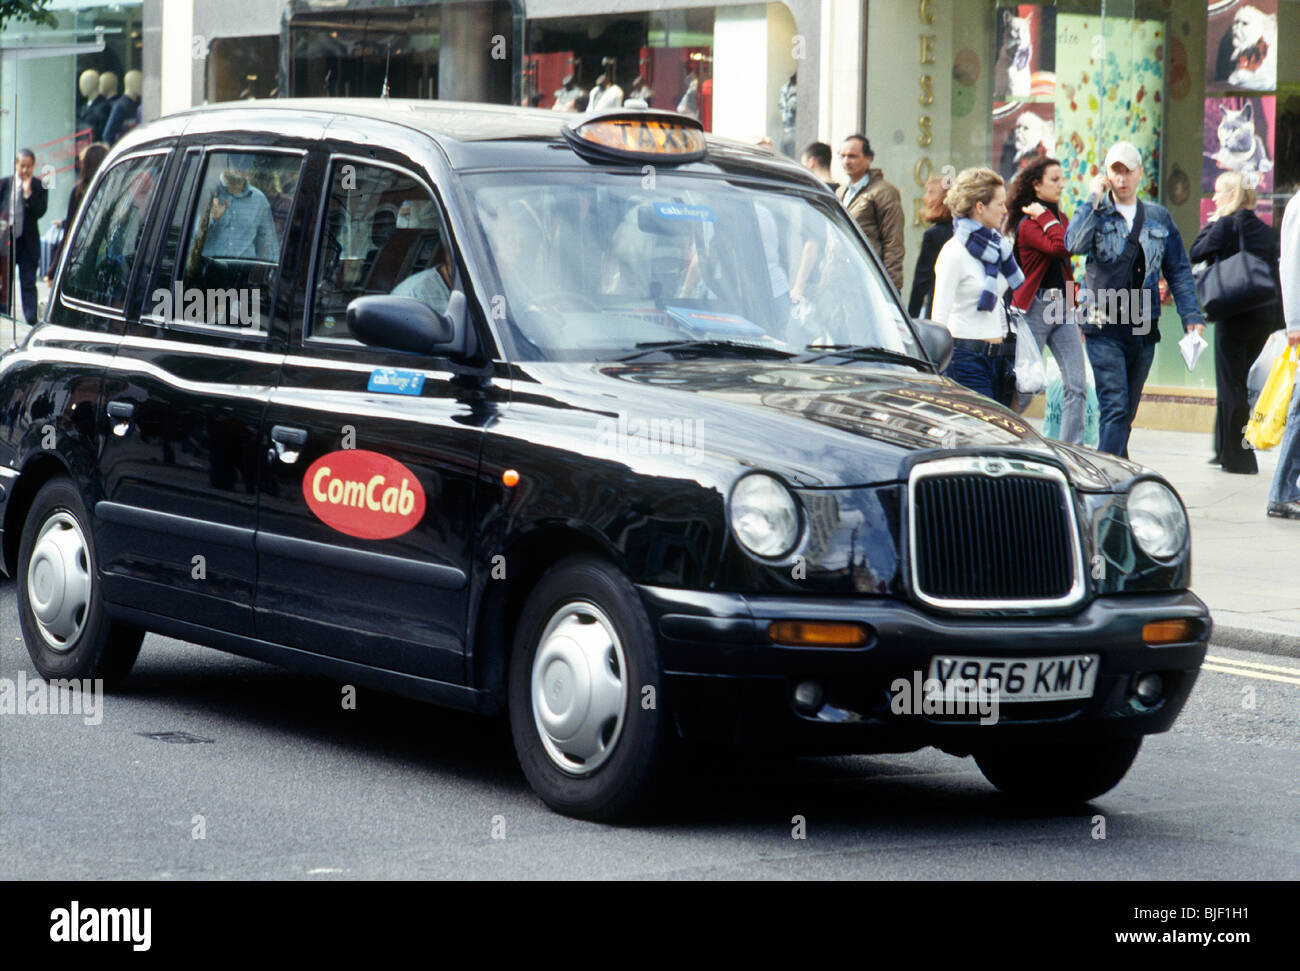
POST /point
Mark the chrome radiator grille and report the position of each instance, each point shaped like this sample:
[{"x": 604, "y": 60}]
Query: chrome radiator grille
[{"x": 992, "y": 532}]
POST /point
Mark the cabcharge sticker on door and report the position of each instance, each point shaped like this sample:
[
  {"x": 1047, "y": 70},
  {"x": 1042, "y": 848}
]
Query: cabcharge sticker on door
[
  {"x": 391, "y": 381},
  {"x": 364, "y": 494}
]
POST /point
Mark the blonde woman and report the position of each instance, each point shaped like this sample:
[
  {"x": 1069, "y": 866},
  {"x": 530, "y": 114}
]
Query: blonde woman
[
  {"x": 972, "y": 273},
  {"x": 1238, "y": 338}
]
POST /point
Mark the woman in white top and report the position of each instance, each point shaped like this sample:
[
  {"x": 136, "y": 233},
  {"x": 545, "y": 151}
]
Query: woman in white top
[{"x": 972, "y": 272}]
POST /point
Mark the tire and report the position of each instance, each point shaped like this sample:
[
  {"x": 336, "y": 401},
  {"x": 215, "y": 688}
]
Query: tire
[
  {"x": 1061, "y": 772},
  {"x": 60, "y": 609},
  {"x": 584, "y": 640}
]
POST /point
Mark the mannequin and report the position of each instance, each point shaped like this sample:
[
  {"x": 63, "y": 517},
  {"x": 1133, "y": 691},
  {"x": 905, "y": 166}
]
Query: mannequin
[
  {"x": 641, "y": 90},
  {"x": 96, "y": 115},
  {"x": 567, "y": 96},
  {"x": 88, "y": 85},
  {"x": 606, "y": 93},
  {"x": 125, "y": 113}
]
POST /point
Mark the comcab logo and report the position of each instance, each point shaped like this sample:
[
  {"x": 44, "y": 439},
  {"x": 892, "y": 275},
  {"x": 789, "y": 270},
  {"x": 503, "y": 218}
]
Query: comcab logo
[{"x": 364, "y": 494}]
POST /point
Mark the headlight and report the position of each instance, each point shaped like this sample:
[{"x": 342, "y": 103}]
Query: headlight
[
  {"x": 763, "y": 515},
  {"x": 1157, "y": 519}
]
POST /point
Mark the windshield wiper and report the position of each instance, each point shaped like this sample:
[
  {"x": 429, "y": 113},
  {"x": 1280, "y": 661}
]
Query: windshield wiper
[
  {"x": 860, "y": 352},
  {"x": 717, "y": 347}
]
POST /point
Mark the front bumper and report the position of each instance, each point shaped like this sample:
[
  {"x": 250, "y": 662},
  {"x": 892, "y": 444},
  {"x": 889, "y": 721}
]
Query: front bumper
[{"x": 725, "y": 682}]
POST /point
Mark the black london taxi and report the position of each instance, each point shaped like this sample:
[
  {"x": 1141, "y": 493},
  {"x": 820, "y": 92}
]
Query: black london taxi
[{"x": 593, "y": 421}]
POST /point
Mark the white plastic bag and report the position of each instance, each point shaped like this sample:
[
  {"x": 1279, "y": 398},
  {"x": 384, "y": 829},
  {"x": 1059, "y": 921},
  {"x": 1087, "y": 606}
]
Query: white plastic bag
[
  {"x": 1031, "y": 374},
  {"x": 1192, "y": 345},
  {"x": 1263, "y": 366}
]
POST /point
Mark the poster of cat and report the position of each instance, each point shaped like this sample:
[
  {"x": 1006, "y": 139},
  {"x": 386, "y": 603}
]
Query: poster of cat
[
  {"x": 1241, "y": 46},
  {"x": 1238, "y": 137},
  {"x": 1025, "y": 67}
]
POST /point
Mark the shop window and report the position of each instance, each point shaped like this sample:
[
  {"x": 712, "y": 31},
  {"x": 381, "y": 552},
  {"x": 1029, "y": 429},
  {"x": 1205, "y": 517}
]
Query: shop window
[
  {"x": 243, "y": 67},
  {"x": 455, "y": 51},
  {"x": 664, "y": 59}
]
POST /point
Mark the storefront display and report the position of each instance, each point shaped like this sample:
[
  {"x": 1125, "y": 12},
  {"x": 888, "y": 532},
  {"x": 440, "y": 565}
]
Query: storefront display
[{"x": 671, "y": 59}]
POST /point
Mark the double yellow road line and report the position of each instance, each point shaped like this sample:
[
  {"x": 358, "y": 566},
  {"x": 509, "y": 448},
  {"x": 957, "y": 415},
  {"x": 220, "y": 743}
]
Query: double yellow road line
[{"x": 1250, "y": 669}]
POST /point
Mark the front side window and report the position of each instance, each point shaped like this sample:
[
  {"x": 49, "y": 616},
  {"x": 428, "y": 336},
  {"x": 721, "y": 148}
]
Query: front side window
[
  {"x": 236, "y": 235},
  {"x": 597, "y": 266},
  {"x": 104, "y": 251},
  {"x": 383, "y": 234}
]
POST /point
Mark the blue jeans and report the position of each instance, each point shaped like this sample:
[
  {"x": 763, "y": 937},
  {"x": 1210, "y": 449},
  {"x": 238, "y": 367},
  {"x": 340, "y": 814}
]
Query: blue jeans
[
  {"x": 1285, "y": 487},
  {"x": 1066, "y": 342},
  {"x": 984, "y": 375},
  {"x": 1121, "y": 370}
]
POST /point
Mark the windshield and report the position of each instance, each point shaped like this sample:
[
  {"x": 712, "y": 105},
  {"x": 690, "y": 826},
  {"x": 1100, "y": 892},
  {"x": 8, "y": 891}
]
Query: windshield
[{"x": 595, "y": 265}]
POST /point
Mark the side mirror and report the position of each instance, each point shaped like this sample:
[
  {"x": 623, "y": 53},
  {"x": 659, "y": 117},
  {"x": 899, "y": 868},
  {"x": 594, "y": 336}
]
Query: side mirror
[
  {"x": 411, "y": 325},
  {"x": 937, "y": 341}
]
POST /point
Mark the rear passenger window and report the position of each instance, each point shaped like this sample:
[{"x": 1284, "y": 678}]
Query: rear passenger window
[
  {"x": 237, "y": 230},
  {"x": 383, "y": 234},
  {"x": 104, "y": 251}
]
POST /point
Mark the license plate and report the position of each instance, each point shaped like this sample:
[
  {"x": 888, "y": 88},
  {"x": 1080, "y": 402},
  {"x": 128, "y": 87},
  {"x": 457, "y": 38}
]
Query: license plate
[{"x": 1023, "y": 679}]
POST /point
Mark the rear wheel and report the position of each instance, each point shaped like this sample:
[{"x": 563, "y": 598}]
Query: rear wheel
[
  {"x": 59, "y": 607},
  {"x": 1059, "y": 772},
  {"x": 585, "y": 713}
]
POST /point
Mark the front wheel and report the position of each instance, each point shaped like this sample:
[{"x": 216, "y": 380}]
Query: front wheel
[
  {"x": 1058, "y": 772},
  {"x": 584, "y": 686},
  {"x": 59, "y": 607}
]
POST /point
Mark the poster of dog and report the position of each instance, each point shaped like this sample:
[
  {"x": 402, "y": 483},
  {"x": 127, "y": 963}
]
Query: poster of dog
[
  {"x": 1241, "y": 47},
  {"x": 1025, "y": 67},
  {"x": 1238, "y": 137}
]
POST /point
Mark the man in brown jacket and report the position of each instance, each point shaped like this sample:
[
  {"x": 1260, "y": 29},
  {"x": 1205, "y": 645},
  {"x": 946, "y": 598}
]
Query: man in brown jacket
[{"x": 874, "y": 203}]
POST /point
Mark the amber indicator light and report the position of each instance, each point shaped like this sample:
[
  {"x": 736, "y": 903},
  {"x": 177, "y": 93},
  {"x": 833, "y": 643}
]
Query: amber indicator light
[
  {"x": 1167, "y": 631},
  {"x": 510, "y": 477},
  {"x": 818, "y": 633}
]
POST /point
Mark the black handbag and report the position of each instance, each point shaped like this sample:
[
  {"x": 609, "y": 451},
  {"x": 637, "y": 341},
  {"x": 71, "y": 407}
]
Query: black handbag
[{"x": 1238, "y": 284}]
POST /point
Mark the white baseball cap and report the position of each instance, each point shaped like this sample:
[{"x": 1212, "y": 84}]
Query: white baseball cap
[{"x": 1125, "y": 154}]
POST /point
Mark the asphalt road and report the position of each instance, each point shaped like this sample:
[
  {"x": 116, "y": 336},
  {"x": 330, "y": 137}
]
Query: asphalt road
[{"x": 289, "y": 785}]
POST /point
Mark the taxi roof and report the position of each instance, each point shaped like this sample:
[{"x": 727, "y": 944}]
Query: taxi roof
[{"x": 472, "y": 135}]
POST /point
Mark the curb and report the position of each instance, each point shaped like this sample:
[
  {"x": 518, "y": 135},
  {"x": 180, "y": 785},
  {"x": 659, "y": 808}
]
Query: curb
[{"x": 1277, "y": 643}]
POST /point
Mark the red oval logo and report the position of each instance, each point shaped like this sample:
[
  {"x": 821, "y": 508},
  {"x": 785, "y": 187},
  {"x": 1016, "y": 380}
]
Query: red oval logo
[{"x": 364, "y": 494}]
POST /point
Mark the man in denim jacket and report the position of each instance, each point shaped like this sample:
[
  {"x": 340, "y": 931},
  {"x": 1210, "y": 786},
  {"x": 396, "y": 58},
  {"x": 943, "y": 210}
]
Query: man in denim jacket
[{"x": 1124, "y": 317}]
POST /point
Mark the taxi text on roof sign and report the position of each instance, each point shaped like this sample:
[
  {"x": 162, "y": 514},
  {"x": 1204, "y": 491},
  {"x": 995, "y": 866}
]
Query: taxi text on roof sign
[{"x": 643, "y": 135}]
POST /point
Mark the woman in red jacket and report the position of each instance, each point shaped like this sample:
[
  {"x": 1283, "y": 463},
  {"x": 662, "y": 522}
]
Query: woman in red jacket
[{"x": 1038, "y": 225}]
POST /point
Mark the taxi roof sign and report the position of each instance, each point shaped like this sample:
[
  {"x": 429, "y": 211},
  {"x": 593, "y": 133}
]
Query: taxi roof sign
[{"x": 641, "y": 136}]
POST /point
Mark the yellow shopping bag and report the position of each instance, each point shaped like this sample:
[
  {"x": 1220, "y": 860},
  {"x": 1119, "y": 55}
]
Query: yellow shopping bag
[{"x": 1268, "y": 420}]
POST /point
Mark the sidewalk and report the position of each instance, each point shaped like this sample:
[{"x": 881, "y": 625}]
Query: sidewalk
[{"x": 1242, "y": 561}]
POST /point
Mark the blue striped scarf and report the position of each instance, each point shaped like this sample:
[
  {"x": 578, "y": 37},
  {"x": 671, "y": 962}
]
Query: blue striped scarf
[{"x": 993, "y": 250}]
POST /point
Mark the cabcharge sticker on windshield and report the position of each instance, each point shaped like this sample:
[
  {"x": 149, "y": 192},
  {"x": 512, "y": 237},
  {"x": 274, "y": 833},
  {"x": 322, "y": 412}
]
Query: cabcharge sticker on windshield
[
  {"x": 391, "y": 381},
  {"x": 679, "y": 210},
  {"x": 364, "y": 494}
]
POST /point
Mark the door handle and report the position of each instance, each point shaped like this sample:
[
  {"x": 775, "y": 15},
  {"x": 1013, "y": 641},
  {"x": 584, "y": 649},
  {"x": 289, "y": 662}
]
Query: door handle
[
  {"x": 289, "y": 436},
  {"x": 288, "y": 443},
  {"x": 120, "y": 414}
]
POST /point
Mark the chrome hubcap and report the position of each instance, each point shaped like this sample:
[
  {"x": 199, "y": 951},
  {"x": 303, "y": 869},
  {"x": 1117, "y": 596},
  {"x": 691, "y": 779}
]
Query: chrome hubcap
[
  {"x": 58, "y": 581},
  {"x": 579, "y": 688}
]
